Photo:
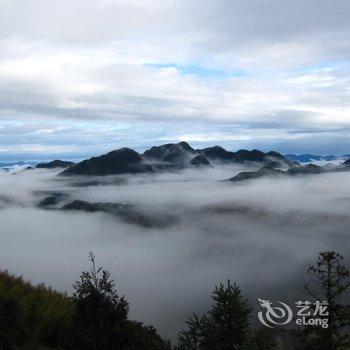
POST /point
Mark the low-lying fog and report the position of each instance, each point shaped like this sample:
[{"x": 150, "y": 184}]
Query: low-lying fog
[{"x": 261, "y": 234}]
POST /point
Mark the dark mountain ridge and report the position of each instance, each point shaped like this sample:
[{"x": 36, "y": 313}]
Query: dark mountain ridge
[
  {"x": 127, "y": 213},
  {"x": 170, "y": 152},
  {"x": 121, "y": 161},
  {"x": 54, "y": 164},
  {"x": 171, "y": 156},
  {"x": 271, "y": 171}
]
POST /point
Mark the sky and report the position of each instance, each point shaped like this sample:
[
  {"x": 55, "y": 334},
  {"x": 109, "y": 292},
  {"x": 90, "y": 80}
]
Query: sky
[{"x": 80, "y": 78}]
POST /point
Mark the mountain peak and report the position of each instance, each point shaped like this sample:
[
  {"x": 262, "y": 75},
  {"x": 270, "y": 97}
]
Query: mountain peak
[
  {"x": 120, "y": 161},
  {"x": 170, "y": 152},
  {"x": 54, "y": 164}
]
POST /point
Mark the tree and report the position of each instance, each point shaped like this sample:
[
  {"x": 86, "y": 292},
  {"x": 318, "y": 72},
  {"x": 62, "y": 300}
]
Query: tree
[
  {"x": 226, "y": 326},
  {"x": 9, "y": 323},
  {"x": 33, "y": 317},
  {"x": 140, "y": 337},
  {"x": 262, "y": 339},
  {"x": 194, "y": 337},
  {"x": 100, "y": 312},
  {"x": 331, "y": 280},
  {"x": 229, "y": 318},
  {"x": 37, "y": 317}
]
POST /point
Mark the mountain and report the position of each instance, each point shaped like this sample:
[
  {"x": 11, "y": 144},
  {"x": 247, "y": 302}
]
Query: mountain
[
  {"x": 271, "y": 171},
  {"x": 345, "y": 166},
  {"x": 51, "y": 199},
  {"x": 54, "y": 164},
  {"x": 217, "y": 153},
  {"x": 309, "y": 158},
  {"x": 307, "y": 169},
  {"x": 121, "y": 161},
  {"x": 170, "y": 152},
  {"x": 251, "y": 156},
  {"x": 199, "y": 160},
  {"x": 126, "y": 212},
  {"x": 13, "y": 167},
  {"x": 10, "y": 164},
  {"x": 167, "y": 157},
  {"x": 266, "y": 171},
  {"x": 182, "y": 151}
]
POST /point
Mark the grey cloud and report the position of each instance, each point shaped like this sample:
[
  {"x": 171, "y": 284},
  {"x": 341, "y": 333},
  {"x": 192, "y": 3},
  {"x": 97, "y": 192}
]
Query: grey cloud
[{"x": 214, "y": 25}]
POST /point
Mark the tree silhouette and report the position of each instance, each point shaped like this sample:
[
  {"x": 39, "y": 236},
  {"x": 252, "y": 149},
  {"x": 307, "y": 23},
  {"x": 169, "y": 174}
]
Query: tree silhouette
[
  {"x": 330, "y": 281},
  {"x": 100, "y": 311},
  {"x": 229, "y": 318},
  {"x": 226, "y": 326},
  {"x": 194, "y": 337}
]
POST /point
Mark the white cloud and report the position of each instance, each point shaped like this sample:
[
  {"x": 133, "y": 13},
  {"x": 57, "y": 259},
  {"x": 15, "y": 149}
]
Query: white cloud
[
  {"x": 121, "y": 61},
  {"x": 166, "y": 273}
]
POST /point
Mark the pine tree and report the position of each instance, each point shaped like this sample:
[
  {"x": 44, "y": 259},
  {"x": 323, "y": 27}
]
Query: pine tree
[
  {"x": 100, "y": 312},
  {"x": 229, "y": 318},
  {"x": 262, "y": 339},
  {"x": 193, "y": 337},
  {"x": 225, "y": 327},
  {"x": 331, "y": 280}
]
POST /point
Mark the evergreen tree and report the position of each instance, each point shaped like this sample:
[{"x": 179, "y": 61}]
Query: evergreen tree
[
  {"x": 100, "y": 312},
  {"x": 140, "y": 337},
  {"x": 226, "y": 326},
  {"x": 331, "y": 280},
  {"x": 37, "y": 317},
  {"x": 229, "y": 319},
  {"x": 261, "y": 339},
  {"x": 193, "y": 338}
]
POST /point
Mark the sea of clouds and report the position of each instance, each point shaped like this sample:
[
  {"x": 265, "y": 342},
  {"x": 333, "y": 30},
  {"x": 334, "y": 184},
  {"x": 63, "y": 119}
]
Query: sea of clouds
[{"x": 262, "y": 234}]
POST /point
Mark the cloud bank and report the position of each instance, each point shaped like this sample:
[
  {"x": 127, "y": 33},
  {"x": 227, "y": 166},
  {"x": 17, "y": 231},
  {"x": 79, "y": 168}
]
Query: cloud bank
[{"x": 261, "y": 234}]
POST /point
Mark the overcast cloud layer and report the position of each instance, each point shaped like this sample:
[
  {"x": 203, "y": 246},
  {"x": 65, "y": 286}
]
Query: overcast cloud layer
[{"x": 81, "y": 77}]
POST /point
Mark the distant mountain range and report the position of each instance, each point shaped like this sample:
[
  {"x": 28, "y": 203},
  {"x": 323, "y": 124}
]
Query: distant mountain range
[
  {"x": 9, "y": 167},
  {"x": 297, "y": 169},
  {"x": 54, "y": 164},
  {"x": 171, "y": 156},
  {"x": 177, "y": 156},
  {"x": 310, "y": 158}
]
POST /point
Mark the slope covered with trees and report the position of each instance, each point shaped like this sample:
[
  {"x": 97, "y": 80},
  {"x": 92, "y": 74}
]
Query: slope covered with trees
[{"x": 95, "y": 317}]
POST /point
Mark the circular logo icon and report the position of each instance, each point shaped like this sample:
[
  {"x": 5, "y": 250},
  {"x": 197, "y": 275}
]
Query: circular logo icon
[{"x": 274, "y": 315}]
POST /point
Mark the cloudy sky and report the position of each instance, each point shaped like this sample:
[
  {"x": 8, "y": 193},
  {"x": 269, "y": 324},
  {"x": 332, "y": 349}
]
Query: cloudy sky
[{"x": 78, "y": 78}]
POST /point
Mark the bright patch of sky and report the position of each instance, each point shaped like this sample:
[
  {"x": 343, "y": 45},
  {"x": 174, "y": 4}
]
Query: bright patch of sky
[{"x": 201, "y": 71}]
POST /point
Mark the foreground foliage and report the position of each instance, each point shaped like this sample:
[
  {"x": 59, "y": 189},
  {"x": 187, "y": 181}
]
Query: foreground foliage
[
  {"x": 226, "y": 326},
  {"x": 94, "y": 318},
  {"x": 330, "y": 280}
]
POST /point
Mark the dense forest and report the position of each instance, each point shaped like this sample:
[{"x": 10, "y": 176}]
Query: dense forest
[{"x": 96, "y": 317}]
